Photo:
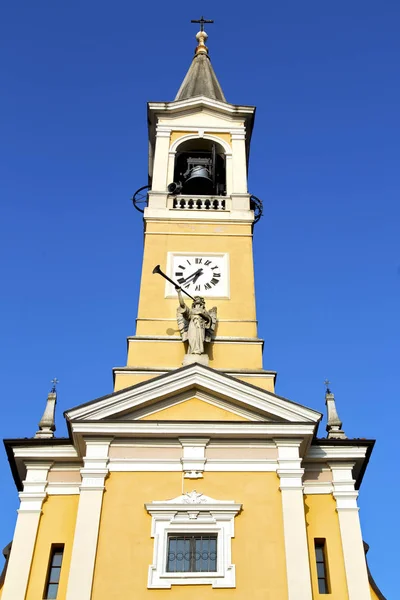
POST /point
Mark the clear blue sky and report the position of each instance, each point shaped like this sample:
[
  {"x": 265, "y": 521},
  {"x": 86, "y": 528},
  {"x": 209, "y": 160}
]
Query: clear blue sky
[{"x": 324, "y": 76}]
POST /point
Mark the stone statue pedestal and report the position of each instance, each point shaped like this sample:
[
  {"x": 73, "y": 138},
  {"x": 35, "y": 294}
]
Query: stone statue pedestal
[{"x": 189, "y": 359}]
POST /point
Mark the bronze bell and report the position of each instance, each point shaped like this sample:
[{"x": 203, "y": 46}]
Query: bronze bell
[{"x": 199, "y": 181}]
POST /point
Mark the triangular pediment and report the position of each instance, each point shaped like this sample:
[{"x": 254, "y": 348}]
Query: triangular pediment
[
  {"x": 193, "y": 405},
  {"x": 170, "y": 394}
]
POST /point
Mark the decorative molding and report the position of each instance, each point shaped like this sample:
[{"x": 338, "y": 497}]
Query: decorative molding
[
  {"x": 125, "y": 465},
  {"x": 66, "y": 488},
  {"x": 223, "y": 339},
  {"x": 321, "y": 452},
  {"x": 239, "y": 217},
  {"x": 95, "y": 468},
  {"x": 195, "y": 376},
  {"x": 45, "y": 452},
  {"x": 202, "y": 101},
  {"x": 192, "y": 513},
  {"x": 223, "y": 465},
  {"x": 207, "y": 136},
  {"x": 290, "y": 471},
  {"x": 194, "y": 457},
  {"x": 317, "y": 487},
  {"x": 343, "y": 486},
  {"x": 237, "y": 429},
  {"x": 34, "y": 492},
  {"x": 212, "y": 465}
]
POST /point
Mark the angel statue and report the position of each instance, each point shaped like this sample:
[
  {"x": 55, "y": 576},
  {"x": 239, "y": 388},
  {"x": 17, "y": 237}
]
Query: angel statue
[{"x": 196, "y": 324}]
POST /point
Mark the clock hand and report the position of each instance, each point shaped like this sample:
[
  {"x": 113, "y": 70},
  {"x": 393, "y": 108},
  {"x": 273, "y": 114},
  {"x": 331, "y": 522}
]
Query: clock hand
[
  {"x": 200, "y": 272},
  {"x": 196, "y": 274}
]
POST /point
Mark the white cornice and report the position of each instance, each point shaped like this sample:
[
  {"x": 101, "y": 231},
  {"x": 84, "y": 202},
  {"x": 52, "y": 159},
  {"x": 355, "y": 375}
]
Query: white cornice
[
  {"x": 45, "y": 452},
  {"x": 180, "y": 429},
  {"x": 216, "y": 340},
  {"x": 321, "y": 452},
  {"x": 201, "y": 101}
]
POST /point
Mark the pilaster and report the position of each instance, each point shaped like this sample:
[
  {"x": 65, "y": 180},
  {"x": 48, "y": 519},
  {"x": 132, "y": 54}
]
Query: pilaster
[
  {"x": 294, "y": 523},
  {"x": 239, "y": 170},
  {"x": 30, "y": 510},
  {"x": 160, "y": 169},
  {"x": 349, "y": 522},
  {"x": 94, "y": 473}
]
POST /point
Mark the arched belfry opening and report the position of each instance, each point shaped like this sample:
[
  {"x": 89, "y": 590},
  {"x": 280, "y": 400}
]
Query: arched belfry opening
[{"x": 200, "y": 168}]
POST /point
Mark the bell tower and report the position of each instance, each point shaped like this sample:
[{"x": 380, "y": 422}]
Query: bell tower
[
  {"x": 193, "y": 476},
  {"x": 198, "y": 223}
]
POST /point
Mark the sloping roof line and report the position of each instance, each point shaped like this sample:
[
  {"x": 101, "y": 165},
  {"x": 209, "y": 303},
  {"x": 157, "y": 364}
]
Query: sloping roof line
[
  {"x": 200, "y": 80},
  {"x": 180, "y": 370}
]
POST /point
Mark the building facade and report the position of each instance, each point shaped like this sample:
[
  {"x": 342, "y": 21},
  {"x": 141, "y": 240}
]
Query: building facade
[{"x": 193, "y": 478}]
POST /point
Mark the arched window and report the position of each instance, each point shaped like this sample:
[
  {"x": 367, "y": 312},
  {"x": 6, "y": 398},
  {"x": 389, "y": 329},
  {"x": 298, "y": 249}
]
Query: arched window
[{"x": 200, "y": 168}]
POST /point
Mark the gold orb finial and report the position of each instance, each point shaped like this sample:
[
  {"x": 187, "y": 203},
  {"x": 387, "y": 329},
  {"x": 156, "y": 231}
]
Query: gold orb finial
[{"x": 201, "y": 37}]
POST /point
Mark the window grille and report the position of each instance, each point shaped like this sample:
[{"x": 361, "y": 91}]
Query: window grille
[
  {"x": 192, "y": 553},
  {"x": 53, "y": 576}
]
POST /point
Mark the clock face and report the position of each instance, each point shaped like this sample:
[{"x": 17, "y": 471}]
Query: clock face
[{"x": 199, "y": 274}]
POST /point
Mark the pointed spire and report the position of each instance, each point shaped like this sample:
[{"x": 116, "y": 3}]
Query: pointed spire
[
  {"x": 334, "y": 424},
  {"x": 201, "y": 80},
  {"x": 47, "y": 424}
]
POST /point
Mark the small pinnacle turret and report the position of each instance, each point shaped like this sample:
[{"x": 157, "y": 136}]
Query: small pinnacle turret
[
  {"x": 201, "y": 80},
  {"x": 334, "y": 424},
  {"x": 47, "y": 424}
]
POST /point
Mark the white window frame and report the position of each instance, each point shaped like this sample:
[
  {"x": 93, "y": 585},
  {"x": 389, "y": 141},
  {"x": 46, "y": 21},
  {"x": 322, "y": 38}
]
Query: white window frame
[{"x": 192, "y": 514}]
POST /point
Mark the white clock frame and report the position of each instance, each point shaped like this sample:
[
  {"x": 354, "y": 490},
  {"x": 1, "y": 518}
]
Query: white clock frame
[{"x": 222, "y": 292}]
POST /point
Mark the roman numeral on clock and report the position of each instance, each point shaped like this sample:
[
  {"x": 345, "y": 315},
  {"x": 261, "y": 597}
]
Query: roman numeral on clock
[{"x": 214, "y": 281}]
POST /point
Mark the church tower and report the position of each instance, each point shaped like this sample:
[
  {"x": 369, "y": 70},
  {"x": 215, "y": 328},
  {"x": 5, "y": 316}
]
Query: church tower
[
  {"x": 198, "y": 228},
  {"x": 193, "y": 477}
]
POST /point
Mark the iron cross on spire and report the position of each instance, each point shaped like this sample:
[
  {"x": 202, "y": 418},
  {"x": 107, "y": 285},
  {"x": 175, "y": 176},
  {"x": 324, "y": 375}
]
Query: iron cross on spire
[
  {"x": 327, "y": 384},
  {"x": 54, "y": 386},
  {"x": 202, "y": 20}
]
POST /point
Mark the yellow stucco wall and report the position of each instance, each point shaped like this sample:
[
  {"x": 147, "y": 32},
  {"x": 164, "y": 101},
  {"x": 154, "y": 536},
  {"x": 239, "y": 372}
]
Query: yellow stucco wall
[
  {"x": 57, "y": 526},
  {"x": 194, "y": 410},
  {"x": 322, "y": 523},
  {"x": 162, "y": 238},
  {"x": 170, "y": 353},
  {"x": 257, "y": 549},
  {"x": 266, "y": 383},
  {"x": 124, "y": 379},
  {"x": 170, "y": 327}
]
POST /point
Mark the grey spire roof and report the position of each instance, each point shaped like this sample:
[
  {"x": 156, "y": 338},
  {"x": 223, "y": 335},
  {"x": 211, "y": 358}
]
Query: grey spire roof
[
  {"x": 334, "y": 424},
  {"x": 201, "y": 80},
  {"x": 47, "y": 425}
]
